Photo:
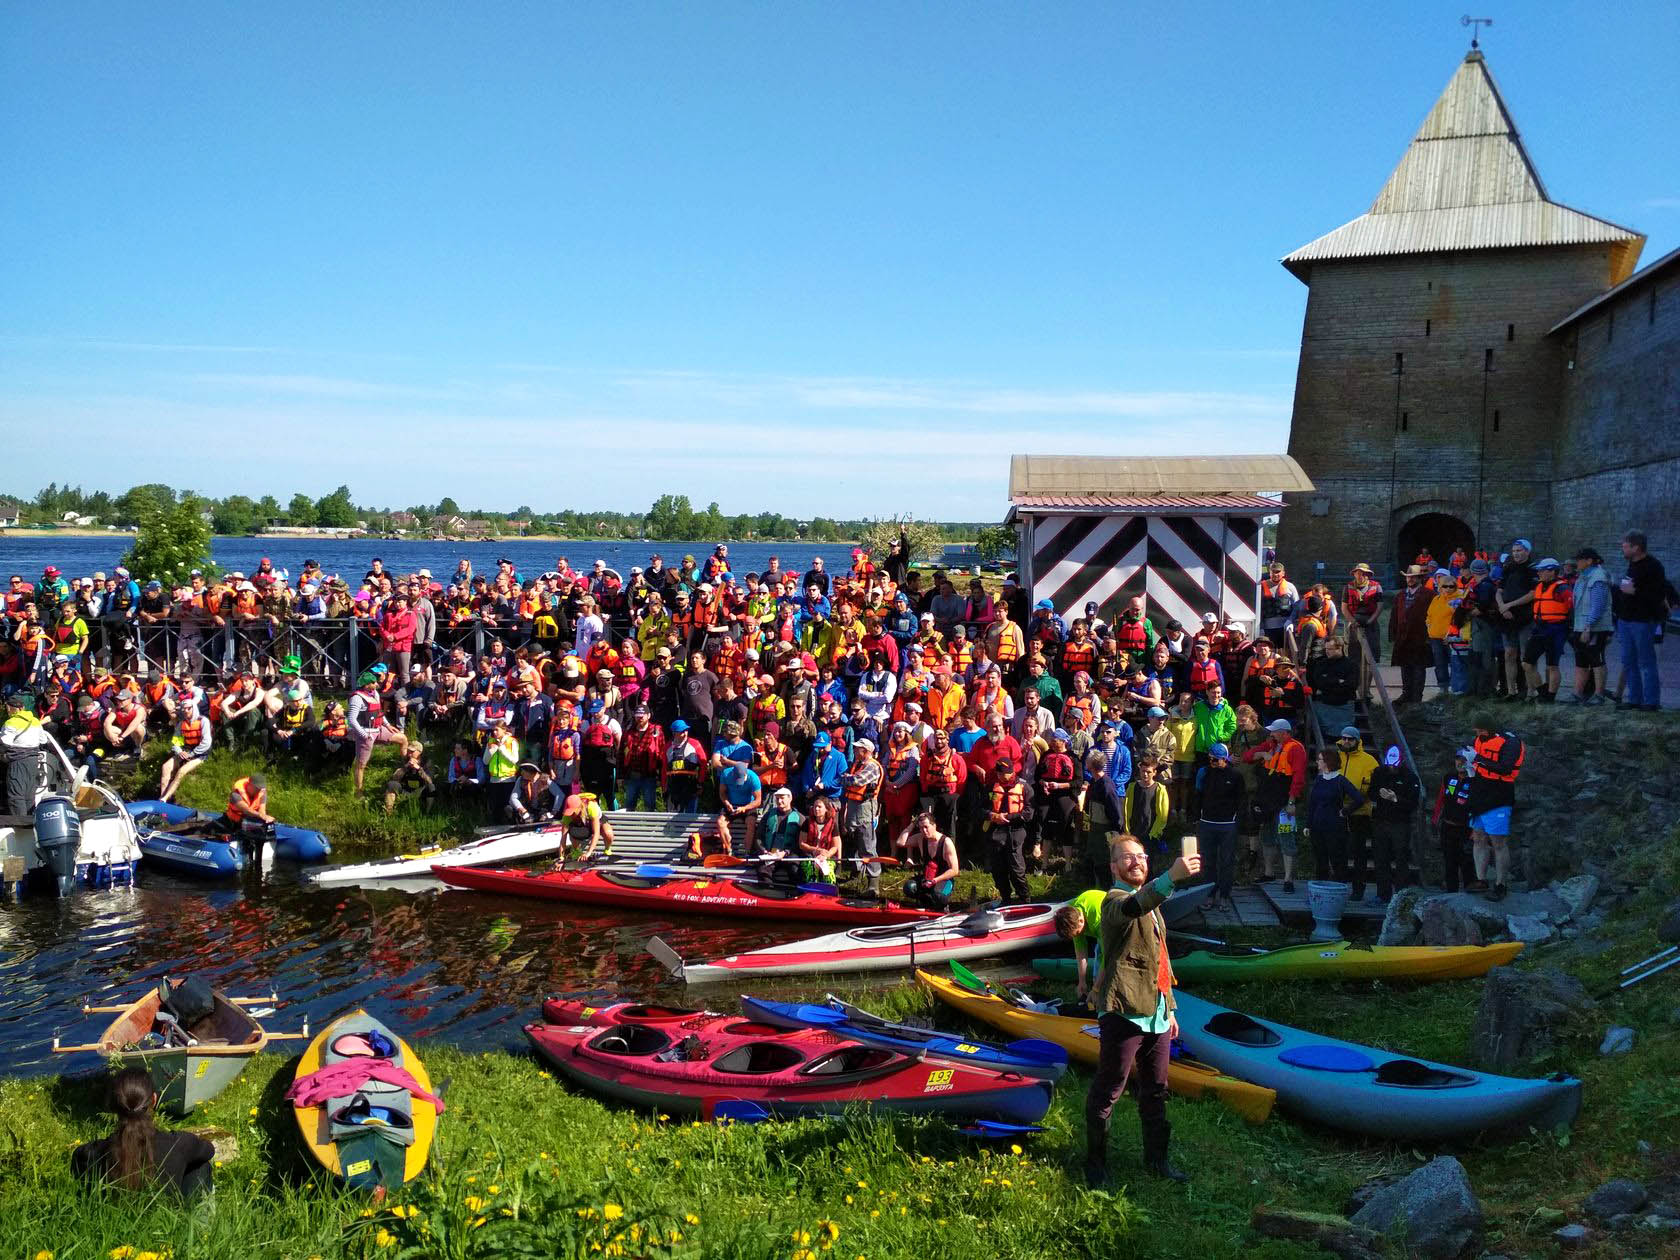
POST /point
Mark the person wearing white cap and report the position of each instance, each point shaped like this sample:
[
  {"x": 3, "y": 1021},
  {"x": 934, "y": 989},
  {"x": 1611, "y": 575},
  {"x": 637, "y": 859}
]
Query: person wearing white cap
[
  {"x": 1283, "y": 777},
  {"x": 860, "y": 808}
]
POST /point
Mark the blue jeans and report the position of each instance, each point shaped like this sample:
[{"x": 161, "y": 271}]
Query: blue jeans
[
  {"x": 1640, "y": 680},
  {"x": 1438, "y": 647},
  {"x": 1458, "y": 672},
  {"x": 641, "y": 787},
  {"x": 1218, "y": 842},
  {"x": 1332, "y": 717}
]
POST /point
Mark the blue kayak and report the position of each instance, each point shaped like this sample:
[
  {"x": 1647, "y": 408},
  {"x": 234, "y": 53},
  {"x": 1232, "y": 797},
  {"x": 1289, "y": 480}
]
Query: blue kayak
[
  {"x": 291, "y": 844},
  {"x": 1041, "y": 1060},
  {"x": 1361, "y": 1089}
]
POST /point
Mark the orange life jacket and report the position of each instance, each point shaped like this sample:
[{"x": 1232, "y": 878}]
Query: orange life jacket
[
  {"x": 1552, "y": 601},
  {"x": 855, "y": 791},
  {"x": 1078, "y": 656},
  {"x": 245, "y": 799},
  {"x": 335, "y": 728},
  {"x": 1011, "y": 800},
  {"x": 772, "y": 767},
  {"x": 944, "y": 772},
  {"x": 191, "y": 730},
  {"x": 1078, "y": 712},
  {"x": 1278, "y": 762},
  {"x": 1492, "y": 747}
]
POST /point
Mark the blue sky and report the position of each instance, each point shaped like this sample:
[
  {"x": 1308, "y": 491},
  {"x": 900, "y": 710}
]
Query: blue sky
[{"x": 812, "y": 258}]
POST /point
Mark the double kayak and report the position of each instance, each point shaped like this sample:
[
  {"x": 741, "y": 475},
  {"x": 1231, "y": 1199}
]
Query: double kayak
[
  {"x": 1030, "y": 1058},
  {"x": 1316, "y": 961},
  {"x": 1081, "y": 1039},
  {"x": 981, "y": 934},
  {"x": 497, "y": 849},
  {"x": 662, "y": 894},
  {"x": 724, "y": 1066},
  {"x": 289, "y": 844},
  {"x": 1362, "y": 1089}
]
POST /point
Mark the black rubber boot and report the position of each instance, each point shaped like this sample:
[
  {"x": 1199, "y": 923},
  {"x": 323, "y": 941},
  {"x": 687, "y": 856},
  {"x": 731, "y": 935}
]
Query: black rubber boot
[
  {"x": 1096, "y": 1157},
  {"x": 1155, "y": 1160}
]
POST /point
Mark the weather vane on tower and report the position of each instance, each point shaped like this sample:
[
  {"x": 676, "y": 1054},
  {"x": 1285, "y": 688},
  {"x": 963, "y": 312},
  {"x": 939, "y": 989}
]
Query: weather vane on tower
[{"x": 1475, "y": 24}]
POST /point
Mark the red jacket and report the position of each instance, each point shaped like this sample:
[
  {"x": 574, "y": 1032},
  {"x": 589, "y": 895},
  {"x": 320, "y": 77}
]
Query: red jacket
[
  {"x": 397, "y": 631},
  {"x": 644, "y": 752}
]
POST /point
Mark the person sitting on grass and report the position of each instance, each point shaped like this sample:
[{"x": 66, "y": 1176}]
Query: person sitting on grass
[
  {"x": 465, "y": 777},
  {"x": 932, "y": 857},
  {"x": 410, "y": 778},
  {"x": 188, "y": 749},
  {"x": 138, "y": 1155}
]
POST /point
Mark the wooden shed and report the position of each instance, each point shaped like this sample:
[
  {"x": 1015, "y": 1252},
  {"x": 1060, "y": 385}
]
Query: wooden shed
[{"x": 1182, "y": 532}]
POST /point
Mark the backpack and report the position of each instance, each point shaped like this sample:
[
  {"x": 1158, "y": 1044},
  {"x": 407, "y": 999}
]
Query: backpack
[{"x": 188, "y": 1002}]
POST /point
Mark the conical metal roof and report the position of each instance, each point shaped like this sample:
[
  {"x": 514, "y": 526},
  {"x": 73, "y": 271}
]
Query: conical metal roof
[{"x": 1466, "y": 182}]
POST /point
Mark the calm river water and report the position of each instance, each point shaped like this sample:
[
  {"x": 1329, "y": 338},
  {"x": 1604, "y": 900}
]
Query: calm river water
[{"x": 469, "y": 967}]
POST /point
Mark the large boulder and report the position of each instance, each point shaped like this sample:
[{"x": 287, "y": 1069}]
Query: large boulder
[
  {"x": 1615, "y": 1198},
  {"x": 1577, "y": 893},
  {"x": 1434, "y": 1210},
  {"x": 1526, "y": 1013},
  {"x": 1442, "y": 922},
  {"x": 1529, "y": 929},
  {"x": 1400, "y": 923}
]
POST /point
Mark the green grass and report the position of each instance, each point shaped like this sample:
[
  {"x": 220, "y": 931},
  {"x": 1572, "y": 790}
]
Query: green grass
[
  {"x": 538, "y": 1154},
  {"x": 555, "y": 1155}
]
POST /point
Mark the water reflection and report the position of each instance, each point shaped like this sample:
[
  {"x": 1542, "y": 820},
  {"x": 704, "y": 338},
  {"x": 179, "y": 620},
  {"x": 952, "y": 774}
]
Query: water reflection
[{"x": 464, "y": 965}]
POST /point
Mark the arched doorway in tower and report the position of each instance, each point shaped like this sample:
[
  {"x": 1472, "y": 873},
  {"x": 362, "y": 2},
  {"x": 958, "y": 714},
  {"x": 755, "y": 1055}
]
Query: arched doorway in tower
[{"x": 1438, "y": 533}]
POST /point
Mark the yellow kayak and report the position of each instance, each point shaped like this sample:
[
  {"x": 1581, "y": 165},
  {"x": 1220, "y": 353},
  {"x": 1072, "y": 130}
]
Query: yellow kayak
[
  {"x": 375, "y": 1148},
  {"x": 1329, "y": 960},
  {"x": 1079, "y": 1038}
]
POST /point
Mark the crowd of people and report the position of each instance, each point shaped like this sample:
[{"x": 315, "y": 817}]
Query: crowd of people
[{"x": 837, "y": 716}]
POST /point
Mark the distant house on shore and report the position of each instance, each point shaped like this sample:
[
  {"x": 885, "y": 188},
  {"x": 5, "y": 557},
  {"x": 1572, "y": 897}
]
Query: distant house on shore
[
  {"x": 477, "y": 527},
  {"x": 10, "y": 513},
  {"x": 403, "y": 520},
  {"x": 516, "y": 527},
  {"x": 447, "y": 525}
]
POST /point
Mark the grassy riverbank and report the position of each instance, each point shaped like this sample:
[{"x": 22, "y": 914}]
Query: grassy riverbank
[
  {"x": 554, "y": 1155},
  {"x": 534, "y": 1159}
]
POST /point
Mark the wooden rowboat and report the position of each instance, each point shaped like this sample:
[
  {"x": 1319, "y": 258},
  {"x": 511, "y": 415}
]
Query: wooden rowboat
[{"x": 184, "y": 1076}]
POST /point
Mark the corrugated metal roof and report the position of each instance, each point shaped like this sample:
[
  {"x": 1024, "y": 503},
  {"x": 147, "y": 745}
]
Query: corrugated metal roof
[
  {"x": 1464, "y": 182},
  {"x": 1131, "y": 476},
  {"x": 1146, "y": 503},
  {"x": 1638, "y": 278}
]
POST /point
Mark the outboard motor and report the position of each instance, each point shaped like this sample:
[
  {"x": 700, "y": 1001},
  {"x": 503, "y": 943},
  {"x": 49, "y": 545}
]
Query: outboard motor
[{"x": 58, "y": 838}]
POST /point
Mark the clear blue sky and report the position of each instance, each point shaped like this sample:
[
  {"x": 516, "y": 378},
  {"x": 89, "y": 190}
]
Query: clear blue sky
[{"x": 815, "y": 258}]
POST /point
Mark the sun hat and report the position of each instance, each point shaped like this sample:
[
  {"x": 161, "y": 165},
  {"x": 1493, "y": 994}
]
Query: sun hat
[{"x": 1280, "y": 726}]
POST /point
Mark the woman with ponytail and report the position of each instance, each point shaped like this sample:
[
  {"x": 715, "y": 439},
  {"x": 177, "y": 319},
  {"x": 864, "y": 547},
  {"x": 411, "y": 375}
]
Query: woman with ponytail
[{"x": 138, "y": 1155}]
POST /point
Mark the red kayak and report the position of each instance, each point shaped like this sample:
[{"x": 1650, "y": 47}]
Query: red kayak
[
  {"x": 674, "y": 894},
  {"x": 726, "y": 1067}
]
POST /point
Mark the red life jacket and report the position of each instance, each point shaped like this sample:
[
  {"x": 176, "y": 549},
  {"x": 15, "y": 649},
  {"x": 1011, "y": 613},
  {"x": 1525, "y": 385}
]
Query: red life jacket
[
  {"x": 1131, "y": 635},
  {"x": 1203, "y": 674}
]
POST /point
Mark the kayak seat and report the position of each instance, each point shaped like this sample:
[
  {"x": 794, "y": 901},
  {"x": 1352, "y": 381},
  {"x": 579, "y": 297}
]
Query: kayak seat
[
  {"x": 884, "y": 931},
  {"x": 853, "y": 1062},
  {"x": 656, "y": 1012},
  {"x": 1326, "y": 1057},
  {"x": 761, "y": 1058},
  {"x": 1414, "y": 1075},
  {"x": 1236, "y": 1027},
  {"x": 631, "y": 1040},
  {"x": 638, "y": 882}
]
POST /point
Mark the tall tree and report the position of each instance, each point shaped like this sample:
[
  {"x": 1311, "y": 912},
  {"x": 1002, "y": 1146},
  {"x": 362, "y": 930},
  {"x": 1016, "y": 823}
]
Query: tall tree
[
  {"x": 172, "y": 540},
  {"x": 301, "y": 510},
  {"x": 335, "y": 510}
]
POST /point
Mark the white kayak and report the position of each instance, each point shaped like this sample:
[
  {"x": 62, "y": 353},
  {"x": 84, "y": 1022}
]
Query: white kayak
[{"x": 492, "y": 850}]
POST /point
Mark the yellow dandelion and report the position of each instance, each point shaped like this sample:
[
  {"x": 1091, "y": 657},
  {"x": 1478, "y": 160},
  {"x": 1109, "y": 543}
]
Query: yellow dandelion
[
  {"x": 863, "y": 1185},
  {"x": 874, "y": 1212},
  {"x": 1014, "y": 1150},
  {"x": 545, "y": 1076},
  {"x": 903, "y": 1211},
  {"x": 493, "y": 1189},
  {"x": 690, "y": 1219},
  {"x": 151, "y": 1255},
  {"x": 384, "y": 1238},
  {"x": 1006, "y": 1183},
  {"x": 122, "y": 1253},
  {"x": 253, "y": 1111},
  {"x": 804, "y": 1253},
  {"x": 611, "y": 1211},
  {"x": 802, "y": 1237},
  {"x": 473, "y": 1202},
  {"x": 848, "y": 1200},
  {"x": 477, "y": 1221},
  {"x": 43, "y": 1254}
]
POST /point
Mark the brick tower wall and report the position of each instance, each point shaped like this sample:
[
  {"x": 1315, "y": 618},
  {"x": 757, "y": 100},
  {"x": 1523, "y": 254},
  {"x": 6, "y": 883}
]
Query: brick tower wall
[
  {"x": 1385, "y": 446},
  {"x": 1617, "y": 458}
]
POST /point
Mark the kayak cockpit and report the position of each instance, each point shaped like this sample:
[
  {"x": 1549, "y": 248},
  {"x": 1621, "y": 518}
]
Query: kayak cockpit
[
  {"x": 1410, "y": 1074},
  {"x": 1235, "y": 1027}
]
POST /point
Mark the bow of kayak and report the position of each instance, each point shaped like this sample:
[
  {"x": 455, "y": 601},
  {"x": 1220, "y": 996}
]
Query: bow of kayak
[{"x": 1079, "y": 1037}]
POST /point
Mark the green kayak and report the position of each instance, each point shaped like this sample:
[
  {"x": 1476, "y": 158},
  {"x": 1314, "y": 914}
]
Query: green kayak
[{"x": 1340, "y": 960}]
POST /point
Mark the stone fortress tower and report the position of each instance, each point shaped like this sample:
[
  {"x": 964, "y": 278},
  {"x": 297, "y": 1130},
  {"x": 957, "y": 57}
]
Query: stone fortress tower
[{"x": 1463, "y": 377}]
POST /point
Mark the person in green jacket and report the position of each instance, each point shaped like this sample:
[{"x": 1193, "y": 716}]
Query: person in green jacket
[{"x": 1216, "y": 721}]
